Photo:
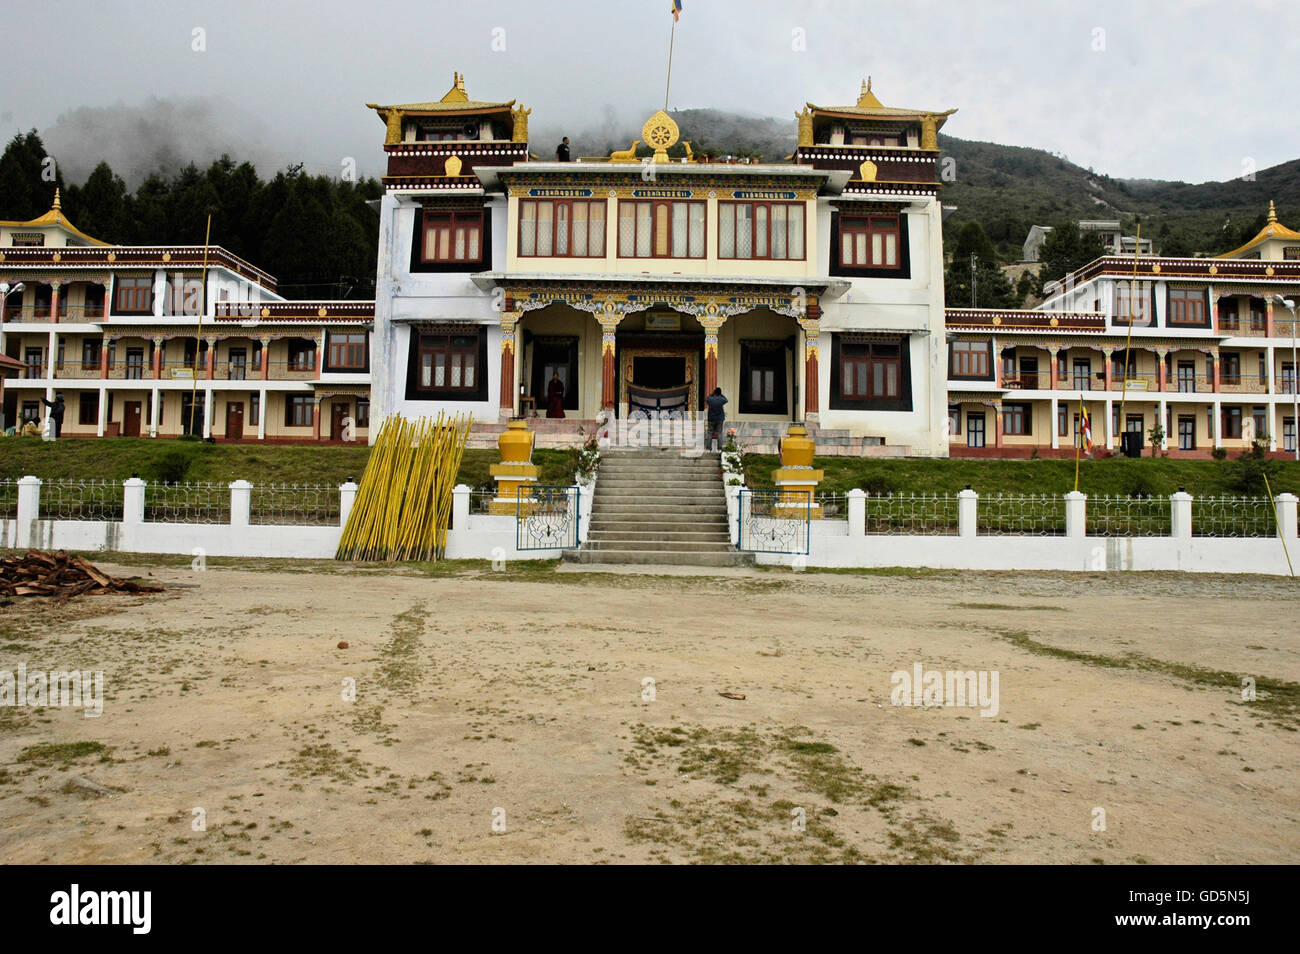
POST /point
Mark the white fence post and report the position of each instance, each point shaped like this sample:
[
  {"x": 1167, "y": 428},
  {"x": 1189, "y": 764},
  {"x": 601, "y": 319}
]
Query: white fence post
[
  {"x": 347, "y": 497},
  {"x": 857, "y": 507},
  {"x": 967, "y": 512},
  {"x": 460, "y": 507},
  {"x": 1076, "y": 514},
  {"x": 133, "y": 500},
  {"x": 1286, "y": 515},
  {"x": 241, "y": 495},
  {"x": 1180, "y": 515},
  {"x": 29, "y": 508}
]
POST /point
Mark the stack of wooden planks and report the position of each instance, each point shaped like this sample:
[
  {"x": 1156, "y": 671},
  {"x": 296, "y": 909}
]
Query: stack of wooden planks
[{"x": 61, "y": 576}]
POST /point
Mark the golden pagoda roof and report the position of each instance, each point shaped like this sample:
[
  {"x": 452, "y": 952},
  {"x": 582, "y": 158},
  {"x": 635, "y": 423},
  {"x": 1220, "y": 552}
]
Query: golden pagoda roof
[
  {"x": 869, "y": 107},
  {"x": 55, "y": 217},
  {"x": 454, "y": 102},
  {"x": 1273, "y": 229}
]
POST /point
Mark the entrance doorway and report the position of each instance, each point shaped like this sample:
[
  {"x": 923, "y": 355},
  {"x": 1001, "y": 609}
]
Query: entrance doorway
[
  {"x": 234, "y": 420},
  {"x": 338, "y": 419},
  {"x": 131, "y": 411},
  {"x": 1186, "y": 432}
]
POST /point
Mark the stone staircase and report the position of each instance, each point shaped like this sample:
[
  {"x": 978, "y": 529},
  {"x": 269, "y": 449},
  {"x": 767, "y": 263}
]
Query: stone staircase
[{"x": 659, "y": 507}]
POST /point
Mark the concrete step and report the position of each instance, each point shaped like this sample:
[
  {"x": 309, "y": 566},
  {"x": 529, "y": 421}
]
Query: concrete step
[
  {"x": 660, "y": 535},
  {"x": 642, "y": 546},
  {"x": 658, "y": 526},
  {"x": 683, "y": 508},
  {"x": 650, "y": 558}
]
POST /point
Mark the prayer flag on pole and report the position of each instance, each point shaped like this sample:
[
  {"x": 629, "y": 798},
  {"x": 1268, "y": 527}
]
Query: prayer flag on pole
[{"x": 677, "y": 10}]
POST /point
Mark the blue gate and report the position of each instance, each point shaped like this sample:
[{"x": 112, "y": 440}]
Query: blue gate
[{"x": 547, "y": 518}]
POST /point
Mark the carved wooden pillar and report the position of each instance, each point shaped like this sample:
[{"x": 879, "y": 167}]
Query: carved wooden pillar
[
  {"x": 608, "y": 324},
  {"x": 210, "y": 365},
  {"x": 1108, "y": 366},
  {"x": 55, "y": 289},
  {"x": 1162, "y": 375},
  {"x": 712, "y": 323},
  {"x": 266, "y": 358},
  {"x": 509, "y": 321},
  {"x": 1052, "y": 377},
  {"x": 811, "y": 324},
  {"x": 103, "y": 356},
  {"x": 159, "y": 343}
]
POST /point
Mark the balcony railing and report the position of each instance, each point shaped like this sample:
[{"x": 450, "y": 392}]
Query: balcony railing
[
  {"x": 70, "y": 314},
  {"x": 1175, "y": 383}
]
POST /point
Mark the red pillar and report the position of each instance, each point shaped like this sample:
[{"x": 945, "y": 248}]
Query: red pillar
[
  {"x": 710, "y": 363},
  {"x": 997, "y": 426},
  {"x": 320, "y": 354},
  {"x": 315, "y": 418},
  {"x": 266, "y": 349},
  {"x": 210, "y": 366},
  {"x": 811, "y": 387},
  {"x": 103, "y": 357},
  {"x": 607, "y": 395},
  {"x": 158, "y": 345},
  {"x": 1108, "y": 367},
  {"x": 54, "y": 301},
  {"x": 507, "y": 381},
  {"x": 1161, "y": 372},
  {"x": 1215, "y": 359},
  {"x": 1051, "y": 370}
]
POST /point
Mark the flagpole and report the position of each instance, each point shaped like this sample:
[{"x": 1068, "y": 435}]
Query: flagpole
[{"x": 671, "y": 38}]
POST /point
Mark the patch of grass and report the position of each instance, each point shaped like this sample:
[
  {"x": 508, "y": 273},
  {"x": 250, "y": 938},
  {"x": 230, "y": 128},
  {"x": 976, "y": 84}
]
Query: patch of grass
[
  {"x": 1008, "y": 606},
  {"x": 325, "y": 760},
  {"x": 1276, "y": 698},
  {"x": 50, "y": 752}
]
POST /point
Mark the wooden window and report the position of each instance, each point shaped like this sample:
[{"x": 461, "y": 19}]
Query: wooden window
[
  {"x": 970, "y": 359},
  {"x": 564, "y": 228},
  {"x": 448, "y": 362},
  {"x": 975, "y": 429},
  {"x": 764, "y": 230},
  {"x": 452, "y": 236},
  {"x": 298, "y": 410},
  {"x": 302, "y": 354},
  {"x": 94, "y": 301},
  {"x": 88, "y": 408},
  {"x": 1258, "y": 315},
  {"x": 134, "y": 296},
  {"x": 1186, "y": 306},
  {"x": 90, "y": 351},
  {"x": 1131, "y": 302},
  {"x": 870, "y": 241},
  {"x": 1230, "y": 368},
  {"x": 661, "y": 229},
  {"x": 870, "y": 371},
  {"x": 347, "y": 350},
  {"x": 1228, "y": 320},
  {"x": 1232, "y": 422},
  {"x": 1062, "y": 421},
  {"x": 954, "y": 420},
  {"x": 363, "y": 412},
  {"x": 254, "y": 410},
  {"x": 1017, "y": 420}
]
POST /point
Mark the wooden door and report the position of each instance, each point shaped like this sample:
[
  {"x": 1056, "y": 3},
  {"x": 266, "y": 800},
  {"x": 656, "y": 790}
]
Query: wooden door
[
  {"x": 234, "y": 420},
  {"x": 338, "y": 416},
  {"x": 131, "y": 418}
]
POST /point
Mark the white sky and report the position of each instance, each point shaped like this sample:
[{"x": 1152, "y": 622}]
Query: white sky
[{"x": 1181, "y": 89}]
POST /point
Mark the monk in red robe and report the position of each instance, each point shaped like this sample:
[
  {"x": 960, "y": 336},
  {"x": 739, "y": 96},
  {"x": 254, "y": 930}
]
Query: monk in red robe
[{"x": 555, "y": 397}]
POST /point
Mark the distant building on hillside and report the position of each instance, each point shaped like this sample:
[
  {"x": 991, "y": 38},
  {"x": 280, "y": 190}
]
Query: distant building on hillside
[{"x": 1112, "y": 237}]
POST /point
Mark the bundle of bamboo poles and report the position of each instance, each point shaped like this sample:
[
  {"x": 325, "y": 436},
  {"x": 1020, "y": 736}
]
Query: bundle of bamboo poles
[{"x": 403, "y": 505}]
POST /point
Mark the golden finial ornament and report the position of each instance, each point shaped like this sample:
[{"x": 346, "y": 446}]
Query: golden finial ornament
[{"x": 660, "y": 133}]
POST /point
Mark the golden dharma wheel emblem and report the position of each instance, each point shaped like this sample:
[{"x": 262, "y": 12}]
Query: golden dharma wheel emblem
[
  {"x": 1155, "y": 269},
  {"x": 266, "y": 312},
  {"x": 167, "y": 256},
  {"x": 1214, "y": 269},
  {"x": 659, "y": 133},
  {"x": 1269, "y": 270},
  {"x": 997, "y": 320},
  {"x": 112, "y": 256},
  {"x": 320, "y": 312},
  {"x": 56, "y": 257},
  {"x": 1054, "y": 322},
  {"x": 452, "y": 165}
]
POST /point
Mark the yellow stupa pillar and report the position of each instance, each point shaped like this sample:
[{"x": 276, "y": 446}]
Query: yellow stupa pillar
[
  {"x": 516, "y": 468},
  {"x": 796, "y": 475}
]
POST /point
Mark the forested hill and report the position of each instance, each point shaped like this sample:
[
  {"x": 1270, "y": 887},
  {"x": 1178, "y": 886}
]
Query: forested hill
[{"x": 319, "y": 238}]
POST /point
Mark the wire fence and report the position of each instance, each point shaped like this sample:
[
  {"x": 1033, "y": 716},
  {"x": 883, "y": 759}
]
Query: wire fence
[
  {"x": 834, "y": 506},
  {"x": 1115, "y": 516},
  {"x": 1233, "y": 517},
  {"x": 1039, "y": 515},
  {"x": 191, "y": 502},
  {"x": 8, "y": 498},
  {"x": 294, "y": 505},
  {"x": 77, "y": 499},
  {"x": 912, "y": 514}
]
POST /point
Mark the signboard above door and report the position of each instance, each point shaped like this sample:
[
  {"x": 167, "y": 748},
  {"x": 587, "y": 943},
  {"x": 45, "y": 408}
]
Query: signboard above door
[{"x": 663, "y": 321}]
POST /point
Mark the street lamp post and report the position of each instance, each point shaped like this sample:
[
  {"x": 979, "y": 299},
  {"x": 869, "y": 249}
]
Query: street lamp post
[{"x": 1289, "y": 305}]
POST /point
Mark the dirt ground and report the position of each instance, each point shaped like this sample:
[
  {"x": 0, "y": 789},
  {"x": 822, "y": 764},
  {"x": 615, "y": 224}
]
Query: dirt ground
[{"x": 506, "y": 717}]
